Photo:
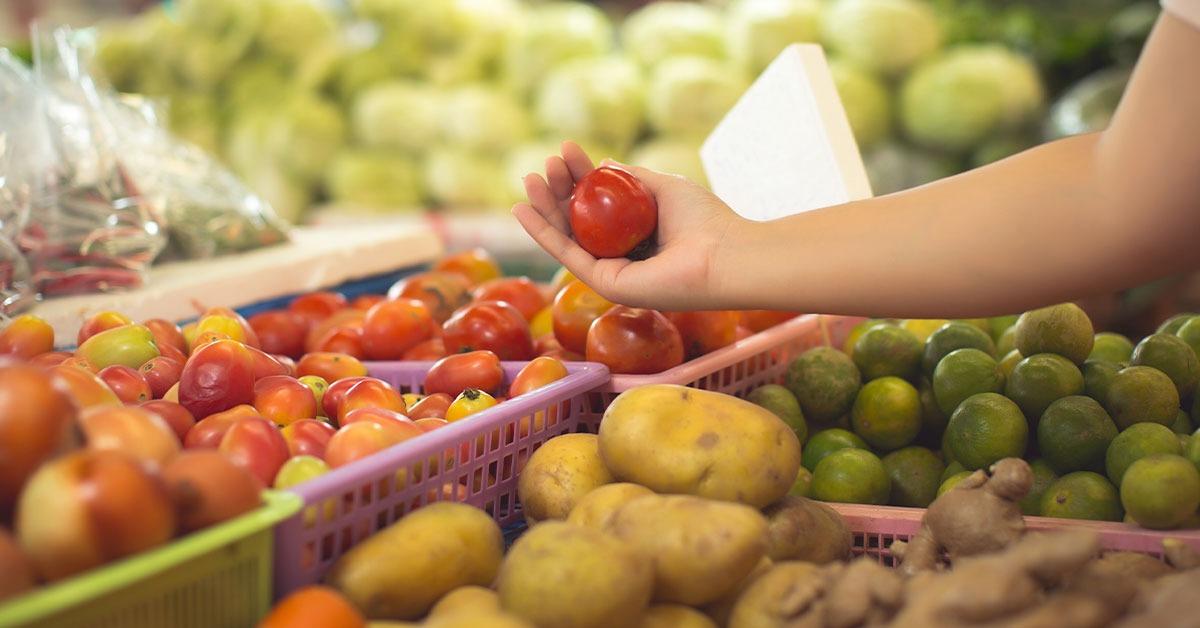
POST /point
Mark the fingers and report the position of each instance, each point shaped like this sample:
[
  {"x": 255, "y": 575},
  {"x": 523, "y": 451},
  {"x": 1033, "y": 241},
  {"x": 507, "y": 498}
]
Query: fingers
[
  {"x": 556, "y": 242},
  {"x": 577, "y": 160},
  {"x": 654, "y": 180},
  {"x": 544, "y": 202},
  {"x": 559, "y": 177}
]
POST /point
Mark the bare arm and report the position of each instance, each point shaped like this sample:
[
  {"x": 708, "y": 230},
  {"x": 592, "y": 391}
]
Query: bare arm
[{"x": 1061, "y": 221}]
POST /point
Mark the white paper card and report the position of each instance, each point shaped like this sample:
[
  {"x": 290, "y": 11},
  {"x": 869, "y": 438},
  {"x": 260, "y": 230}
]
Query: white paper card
[{"x": 786, "y": 146}]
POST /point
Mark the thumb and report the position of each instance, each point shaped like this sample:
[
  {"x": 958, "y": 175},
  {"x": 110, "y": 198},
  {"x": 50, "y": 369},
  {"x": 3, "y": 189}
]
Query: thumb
[{"x": 654, "y": 180}]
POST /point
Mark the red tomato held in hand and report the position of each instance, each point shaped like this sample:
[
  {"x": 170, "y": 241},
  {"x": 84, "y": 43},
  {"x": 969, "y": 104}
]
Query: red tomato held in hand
[
  {"x": 318, "y": 306},
  {"x": 705, "y": 332},
  {"x": 217, "y": 377},
  {"x": 611, "y": 212},
  {"x": 284, "y": 400},
  {"x": 455, "y": 373},
  {"x": 519, "y": 292},
  {"x": 477, "y": 265},
  {"x": 428, "y": 351},
  {"x": 280, "y": 332},
  {"x": 634, "y": 341},
  {"x": 370, "y": 393},
  {"x": 493, "y": 326},
  {"x": 441, "y": 292},
  {"x": 127, "y": 383},
  {"x": 575, "y": 307},
  {"x": 392, "y": 327},
  {"x": 434, "y": 406},
  {"x": 161, "y": 374}
]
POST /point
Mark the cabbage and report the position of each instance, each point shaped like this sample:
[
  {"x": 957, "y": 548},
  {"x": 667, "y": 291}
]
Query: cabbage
[
  {"x": 360, "y": 69},
  {"x": 892, "y": 167},
  {"x": 122, "y": 49},
  {"x": 245, "y": 140},
  {"x": 687, "y": 96},
  {"x": 758, "y": 30},
  {"x": 883, "y": 36},
  {"x": 672, "y": 156},
  {"x": 396, "y": 114},
  {"x": 289, "y": 197},
  {"x": 209, "y": 38},
  {"x": 483, "y": 118},
  {"x": 597, "y": 100},
  {"x": 481, "y": 28},
  {"x": 376, "y": 179},
  {"x": 867, "y": 103},
  {"x": 305, "y": 136},
  {"x": 194, "y": 118},
  {"x": 290, "y": 28},
  {"x": 958, "y": 100},
  {"x": 524, "y": 159},
  {"x": 465, "y": 178},
  {"x": 669, "y": 29},
  {"x": 550, "y": 34},
  {"x": 256, "y": 84}
]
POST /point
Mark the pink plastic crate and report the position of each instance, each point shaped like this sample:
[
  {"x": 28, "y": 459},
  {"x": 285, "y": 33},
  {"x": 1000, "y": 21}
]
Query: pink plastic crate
[
  {"x": 739, "y": 368},
  {"x": 349, "y": 504}
]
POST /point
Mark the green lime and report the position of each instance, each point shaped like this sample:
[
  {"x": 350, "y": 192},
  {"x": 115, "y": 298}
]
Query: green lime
[
  {"x": 1182, "y": 423},
  {"x": 1191, "y": 451},
  {"x": 954, "y": 467},
  {"x": 916, "y": 474},
  {"x": 852, "y": 476},
  {"x": 962, "y": 373},
  {"x": 1007, "y": 342},
  {"x": 1190, "y": 333},
  {"x": 782, "y": 402},
  {"x": 1111, "y": 347},
  {"x": 923, "y": 328},
  {"x": 824, "y": 381},
  {"x": 887, "y": 350},
  {"x": 887, "y": 413},
  {"x": 1161, "y": 491},
  {"x": 1074, "y": 434},
  {"x": 1173, "y": 324},
  {"x": 1097, "y": 376},
  {"x": 981, "y": 324},
  {"x": 1043, "y": 477},
  {"x": 985, "y": 428},
  {"x": 1141, "y": 394},
  {"x": 1009, "y": 362},
  {"x": 857, "y": 331},
  {"x": 997, "y": 325},
  {"x": 954, "y": 335},
  {"x": 1171, "y": 355},
  {"x": 1082, "y": 495},
  {"x": 952, "y": 481},
  {"x": 1137, "y": 442},
  {"x": 1038, "y": 380},
  {"x": 828, "y": 441},
  {"x": 802, "y": 487},
  {"x": 1064, "y": 329},
  {"x": 932, "y": 419}
]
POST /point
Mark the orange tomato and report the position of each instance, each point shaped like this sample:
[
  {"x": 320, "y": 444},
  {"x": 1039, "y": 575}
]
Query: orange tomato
[
  {"x": 314, "y": 607},
  {"x": 441, "y": 292},
  {"x": 330, "y": 366},
  {"x": 758, "y": 320},
  {"x": 26, "y": 337},
  {"x": 705, "y": 332},
  {"x": 477, "y": 265},
  {"x": 575, "y": 307},
  {"x": 519, "y": 292}
]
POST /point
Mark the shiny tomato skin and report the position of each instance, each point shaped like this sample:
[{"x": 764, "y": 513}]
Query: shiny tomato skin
[
  {"x": 266, "y": 365},
  {"x": 98, "y": 322},
  {"x": 611, "y": 212},
  {"x": 342, "y": 319},
  {"x": 370, "y": 393},
  {"x": 432, "y": 407},
  {"x": 318, "y": 306},
  {"x": 166, "y": 333},
  {"x": 348, "y": 340},
  {"x": 128, "y": 383},
  {"x": 217, "y": 377},
  {"x": 455, "y": 373},
  {"x": 365, "y": 302},
  {"x": 705, "y": 332},
  {"x": 477, "y": 265},
  {"x": 427, "y": 351},
  {"x": 634, "y": 341},
  {"x": 334, "y": 393},
  {"x": 176, "y": 416},
  {"x": 280, "y": 332},
  {"x": 442, "y": 292},
  {"x": 27, "y": 337},
  {"x": 574, "y": 309},
  {"x": 490, "y": 325},
  {"x": 519, "y": 292},
  {"x": 539, "y": 372},
  {"x": 283, "y": 400},
  {"x": 161, "y": 374},
  {"x": 392, "y": 327},
  {"x": 330, "y": 366}
]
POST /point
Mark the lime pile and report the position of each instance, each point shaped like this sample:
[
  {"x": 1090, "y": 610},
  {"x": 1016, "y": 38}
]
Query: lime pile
[{"x": 907, "y": 409}]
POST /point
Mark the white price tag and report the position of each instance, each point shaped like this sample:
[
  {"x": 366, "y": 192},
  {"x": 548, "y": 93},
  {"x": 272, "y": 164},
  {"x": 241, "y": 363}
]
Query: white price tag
[{"x": 786, "y": 146}]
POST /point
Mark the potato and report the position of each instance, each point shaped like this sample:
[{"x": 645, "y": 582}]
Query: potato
[
  {"x": 674, "y": 616},
  {"x": 402, "y": 570},
  {"x": 673, "y": 439},
  {"x": 559, "y": 474},
  {"x": 597, "y": 507},
  {"x": 720, "y": 609},
  {"x": 470, "y": 599},
  {"x": 803, "y": 529},
  {"x": 700, "y": 549},
  {"x": 567, "y": 576},
  {"x": 775, "y": 597},
  {"x": 477, "y": 619}
]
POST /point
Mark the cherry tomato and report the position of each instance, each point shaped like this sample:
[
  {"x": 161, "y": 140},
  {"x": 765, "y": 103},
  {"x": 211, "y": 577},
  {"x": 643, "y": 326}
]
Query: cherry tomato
[
  {"x": 317, "y": 306},
  {"x": 251, "y": 338},
  {"x": 611, "y": 212},
  {"x": 539, "y": 372},
  {"x": 172, "y": 353},
  {"x": 131, "y": 345},
  {"x": 318, "y": 386},
  {"x": 477, "y": 265},
  {"x": 705, "y": 332},
  {"x": 218, "y": 376},
  {"x": 443, "y": 293},
  {"x": 433, "y": 406},
  {"x": 37, "y": 423},
  {"x": 468, "y": 402},
  {"x": 128, "y": 384},
  {"x": 334, "y": 393},
  {"x": 226, "y": 326},
  {"x": 432, "y": 349},
  {"x": 266, "y": 365},
  {"x": 758, "y": 320},
  {"x": 176, "y": 416},
  {"x": 161, "y": 374},
  {"x": 98, "y": 322},
  {"x": 167, "y": 334},
  {"x": 575, "y": 307},
  {"x": 82, "y": 386},
  {"x": 370, "y": 393},
  {"x": 256, "y": 445},
  {"x": 365, "y": 302},
  {"x": 207, "y": 338},
  {"x": 634, "y": 341},
  {"x": 280, "y": 332},
  {"x": 307, "y": 437},
  {"x": 284, "y": 400},
  {"x": 392, "y": 327},
  {"x": 348, "y": 340},
  {"x": 341, "y": 319},
  {"x": 519, "y": 292},
  {"x": 208, "y": 431},
  {"x": 381, "y": 416},
  {"x": 287, "y": 364},
  {"x": 330, "y": 366},
  {"x": 492, "y": 325},
  {"x": 455, "y": 373},
  {"x": 27, "y": 337}
]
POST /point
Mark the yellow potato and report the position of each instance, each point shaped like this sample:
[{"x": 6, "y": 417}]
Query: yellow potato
[
  {"x": 563, "y": 575},
  {"x": 402, "y": 570},
  {"x": 774, "y": 597},
  {"x": 559, "y": 474},
  {"x": 673, "y": 439},
  {"x": 802, "y": 529},
  {"x": 470, "y": 599},
  {"x": 700, "y": 549},
  {"x": 477, "y": 619},
  {"x": 674, "y": 616},
  {"x": 596, "y": 508}
]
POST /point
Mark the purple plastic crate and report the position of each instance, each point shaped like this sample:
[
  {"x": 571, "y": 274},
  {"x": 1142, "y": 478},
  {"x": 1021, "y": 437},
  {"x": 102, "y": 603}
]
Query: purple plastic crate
[{"x": 484, "y": 453}]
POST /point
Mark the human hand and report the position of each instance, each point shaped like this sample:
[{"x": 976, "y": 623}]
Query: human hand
[{"x": 694, "y": 230}]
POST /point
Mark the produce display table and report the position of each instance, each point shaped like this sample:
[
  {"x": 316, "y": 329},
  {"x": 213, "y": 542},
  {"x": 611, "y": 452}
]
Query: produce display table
[{"x": 316, "y": 258}]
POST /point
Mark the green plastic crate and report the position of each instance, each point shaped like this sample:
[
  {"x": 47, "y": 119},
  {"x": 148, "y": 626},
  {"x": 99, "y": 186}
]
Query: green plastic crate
[{"x": 213, "y": 578}]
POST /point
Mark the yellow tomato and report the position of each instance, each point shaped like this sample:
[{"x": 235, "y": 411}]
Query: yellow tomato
[{"x": 469, "y": 402}]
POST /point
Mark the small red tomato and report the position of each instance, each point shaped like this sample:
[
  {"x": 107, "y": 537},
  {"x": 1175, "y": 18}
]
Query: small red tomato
[
  {"x": 217, "y": 377},
  {"x": 98, "y": 322},
  {"x": 166, "y": 334},
  {"x": 705, "y": 332},
  {"x": 266, "y": 365},
  {"x": 370, "y": 393},
  {"x": 366, "y": 301},
  {"x": 256, "y": 445},
  {"x": 161, "y": 374},
  {"x": 441, "y": 292},
  {"x": 432, "y": 349},
  {"x": 208, "y": 431},
  {"x": 330, "y": 366},
  {"x": 491, "y": 325},
  {"x": 477, "y": 265},
  {"x": 317, "y": 306},
  {"x": 432, "y": 406},
  {"x": 352, "y": 319},
  {"x": 171, "y": 353},
  {"x": 348, "y": 340},
  {"x": 307, "y": 436},
  {"x": 283, "y": 399},
  {"x": 127, "y": 383},
  {"x": 519, "y": 292},
  {"x": 574, "y": 309},
  {"x": 758, "y": 320},
  {"x": 177, "y": 417},
  {"x": 281, "y": 332},
  {"x": 611, "y": 212},
  {"x": 374, "y": 415},
  {"x": 362, "y": 438},
  {"x": 634, "y": 341},
  {"x": 26, "y": 337},
  {"x": 539, "y": 372},
  {"x": 334, "y": 393},
  {"x": 455, "y": 373},
  {"x": 428, "y": 424},
  {"x": 392, "y": 327}
]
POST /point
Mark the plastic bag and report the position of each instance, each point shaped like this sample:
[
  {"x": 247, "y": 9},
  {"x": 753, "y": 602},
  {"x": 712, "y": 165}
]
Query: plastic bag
[{"x": 18, "y": 167}]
